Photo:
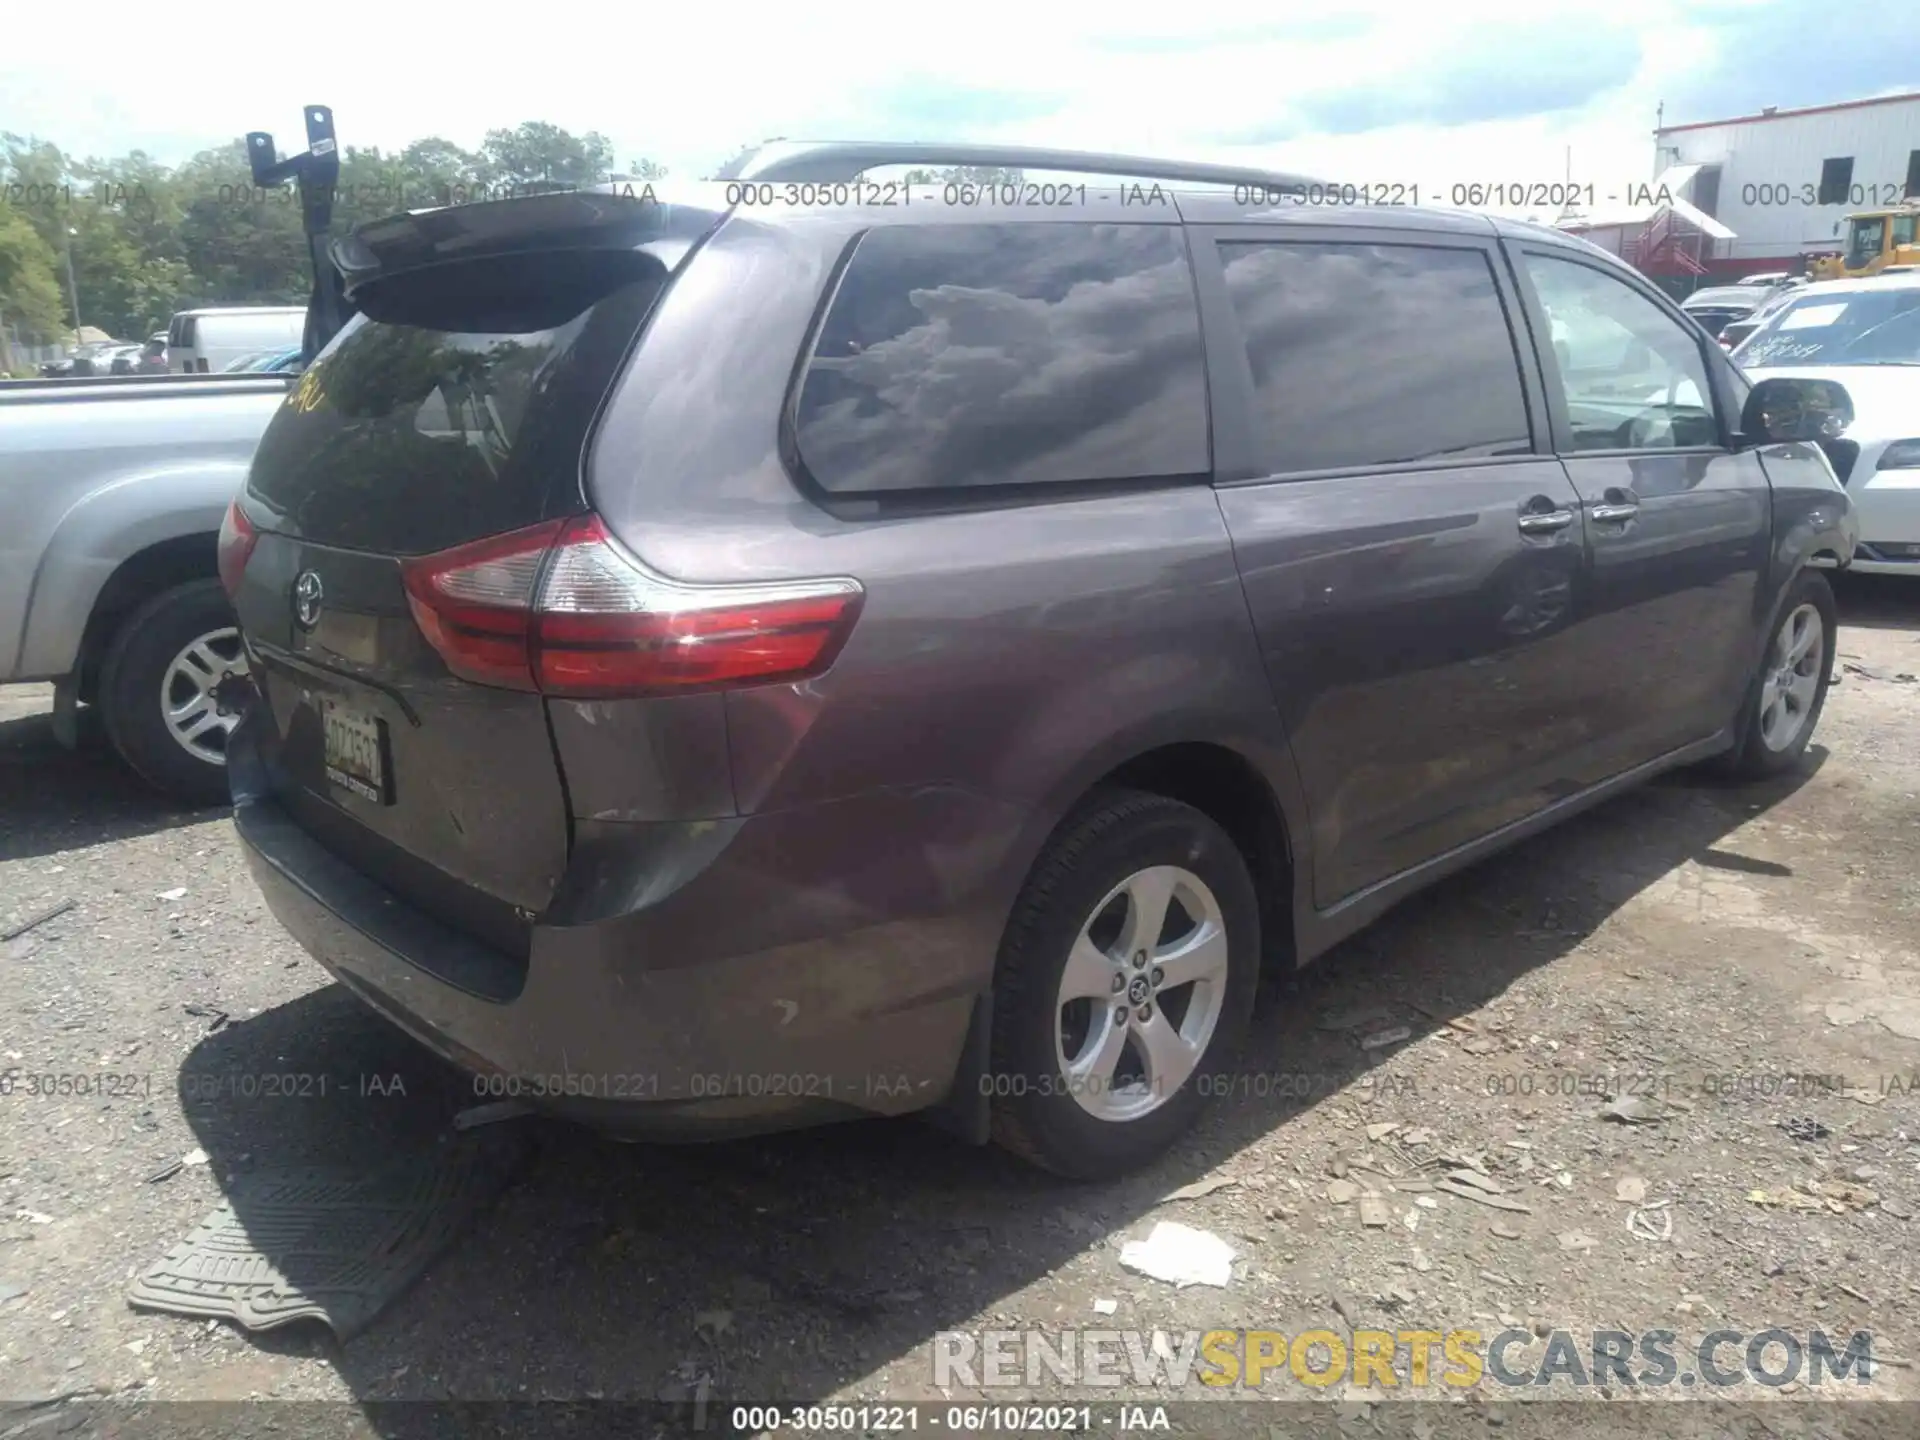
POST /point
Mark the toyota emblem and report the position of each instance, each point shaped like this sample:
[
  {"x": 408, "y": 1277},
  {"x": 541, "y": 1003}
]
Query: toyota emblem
[{"x": 307, "y": 594}]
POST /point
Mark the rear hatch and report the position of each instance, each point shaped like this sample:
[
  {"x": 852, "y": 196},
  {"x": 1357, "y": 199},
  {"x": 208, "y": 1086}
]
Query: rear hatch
[{"x": 453, "y": 410}]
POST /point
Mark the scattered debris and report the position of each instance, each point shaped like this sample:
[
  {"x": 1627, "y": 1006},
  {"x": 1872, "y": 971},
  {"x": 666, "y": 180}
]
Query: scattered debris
[
  {"x": 195, "y": 1156},
  {"x": 1105, "y": 1307},
  {"x": 689, "y": 1382},
  {"x": 1576, "y": 1240},
  {"x": 710, "y": 1325},
  {"x": 1505, "y": 1232},
  {"x": 1373, "y": 1212},
  {"x": 1343, "y": 1192},
  {"x": 179, "y": 892},
  {"x": 1426, "y": 1202},
  {"x": 1450, "y": 1186},
  {"x": 1477, "y": 1179},
  {"x": 1339, "y": 1306},
  {"x": 1632, "y": 1189},
  {"x": 1200, "y": 1187},
  {"x": 1382, "y": 1130},
  {"x": 1180, "y": 1255},
  {"x": 1864, "y": 1300},
  {"x": 1354, "y": 1019},
  {"x": 52, "y": 912},
  {"x": 1380, "y": 1039},
  {"x": 1420, "y": 1135},
  {"x": 1414, "y": 1186},
  {"x": 213, "y": 1014},
  {"x": 1629, "y": 1110},
  {"x": 1838, "y": 1196},
  {"x": 1652, "y": 1221},
  {"x": 1772, "y": 1269},
  {"x": 1804, "y": 1127},
  {"x": 1480, "y": 1045},
  {"x": 10, "y": 1291},
  {"x": 166, "y": 1172}
]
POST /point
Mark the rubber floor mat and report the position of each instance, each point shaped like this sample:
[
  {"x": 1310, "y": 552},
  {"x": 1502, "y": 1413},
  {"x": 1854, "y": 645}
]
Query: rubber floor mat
[{"x": 330, "y": 1245}]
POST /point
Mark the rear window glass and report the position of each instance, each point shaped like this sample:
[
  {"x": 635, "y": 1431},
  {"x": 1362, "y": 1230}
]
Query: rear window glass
[
  {"x": 969, "y": 356},
  {"x": 1375, "y": 354},
  {"x": 455, "y": 406}
]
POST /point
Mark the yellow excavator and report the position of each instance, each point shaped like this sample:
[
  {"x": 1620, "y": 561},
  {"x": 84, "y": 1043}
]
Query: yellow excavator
[{"x": 1876, "y": 239}]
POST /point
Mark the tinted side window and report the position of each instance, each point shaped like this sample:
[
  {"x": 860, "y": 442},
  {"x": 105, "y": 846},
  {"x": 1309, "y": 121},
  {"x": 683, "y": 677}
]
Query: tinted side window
[
  {"x": 1632, "y": 375},
  {"x": 959, "y": 356},
  {"x": 1375, "y": 354}
]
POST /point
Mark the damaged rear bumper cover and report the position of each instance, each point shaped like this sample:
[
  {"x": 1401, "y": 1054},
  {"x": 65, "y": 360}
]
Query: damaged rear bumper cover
[{"x": 833, "y": 1027}]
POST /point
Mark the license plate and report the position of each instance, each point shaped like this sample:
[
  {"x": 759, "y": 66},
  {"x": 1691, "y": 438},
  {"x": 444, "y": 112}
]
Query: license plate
[{"x": 355, "y": 756}]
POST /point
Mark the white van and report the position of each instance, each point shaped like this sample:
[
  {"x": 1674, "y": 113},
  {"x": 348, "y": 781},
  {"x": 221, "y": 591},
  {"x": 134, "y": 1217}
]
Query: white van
[{"x": 207, "y": 341}]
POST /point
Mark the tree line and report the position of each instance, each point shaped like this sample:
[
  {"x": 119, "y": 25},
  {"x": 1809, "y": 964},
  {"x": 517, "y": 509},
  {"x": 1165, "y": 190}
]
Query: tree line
[{"x": 145, "y": 239}]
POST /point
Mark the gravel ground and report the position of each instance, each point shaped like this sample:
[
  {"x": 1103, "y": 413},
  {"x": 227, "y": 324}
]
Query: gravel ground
[{"x": 1699, "y": 945}]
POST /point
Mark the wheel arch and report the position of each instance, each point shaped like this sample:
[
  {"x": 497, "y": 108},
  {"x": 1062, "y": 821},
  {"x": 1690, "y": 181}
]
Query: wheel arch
[
  {"x": 137, "y": 579},
  {"x": 1245, "y": 782},
  {"x": 145, "y": 521}
]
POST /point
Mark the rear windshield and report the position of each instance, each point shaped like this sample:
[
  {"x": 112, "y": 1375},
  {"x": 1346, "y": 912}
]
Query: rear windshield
[{"x": 455, "y": 406}]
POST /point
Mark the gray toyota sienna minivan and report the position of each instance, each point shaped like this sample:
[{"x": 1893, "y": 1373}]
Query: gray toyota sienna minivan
[{"x": 807, "y": 646}]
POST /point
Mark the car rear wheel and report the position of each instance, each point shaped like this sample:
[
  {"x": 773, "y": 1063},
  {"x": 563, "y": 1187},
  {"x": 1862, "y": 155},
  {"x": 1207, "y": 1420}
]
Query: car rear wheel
[
  {"x": 1787, "y": 695},
  {"x": 1123, "y": 988},
  {"x": 169, "y": 691}
]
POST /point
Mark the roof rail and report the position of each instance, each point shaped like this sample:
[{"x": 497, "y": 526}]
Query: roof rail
[{"x": 832, "y": 161}]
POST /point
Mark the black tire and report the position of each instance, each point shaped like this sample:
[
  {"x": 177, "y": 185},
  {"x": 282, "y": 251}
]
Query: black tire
[
  {"x": 1115, "y": 836},
  {"x": 129, "y": 698},
  {"x": 1752, "y": 758}
]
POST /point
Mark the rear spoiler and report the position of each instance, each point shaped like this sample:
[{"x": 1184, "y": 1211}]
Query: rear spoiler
[
  {"x": 617, "y": 217},
  {"x": 316, "y": 174}
]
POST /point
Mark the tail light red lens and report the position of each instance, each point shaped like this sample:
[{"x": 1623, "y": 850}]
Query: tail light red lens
[
  {"x": 235, "y": 547},
  {"x": 562, "y": 609}
]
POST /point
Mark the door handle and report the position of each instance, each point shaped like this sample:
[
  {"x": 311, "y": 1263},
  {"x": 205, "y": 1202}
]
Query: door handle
[
  {"x": 1545, "y": 522},
  {"x": 1613, "y": 511}
]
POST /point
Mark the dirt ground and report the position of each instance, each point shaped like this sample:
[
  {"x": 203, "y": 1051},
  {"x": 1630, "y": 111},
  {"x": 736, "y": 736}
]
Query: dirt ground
[{"x": 1699, "y": 948}]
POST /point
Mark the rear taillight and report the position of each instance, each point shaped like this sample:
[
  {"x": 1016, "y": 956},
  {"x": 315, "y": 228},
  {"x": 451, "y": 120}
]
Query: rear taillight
[
  {"x": 561, "y": 609},
  {"x": 237, "y": 539}
]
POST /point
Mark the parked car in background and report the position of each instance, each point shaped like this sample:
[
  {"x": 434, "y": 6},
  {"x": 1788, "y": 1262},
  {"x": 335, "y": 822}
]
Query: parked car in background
[
  {"x": 152, "y": 359},
  {"x": 122, "y": 360},
  {"x": 1720, "y": 304},
  {"x": 266, "y": 361},
  {"x": 1773, "y": 279},
  {"x": 722, "y": 670},
  {"x": 207, "y": 341},
  {"x": 111, "y": 495},
  {"x": 91, "y": 358},
  {"x": 1735, "y": 331},
  {"x": 1864, "y": 334}
]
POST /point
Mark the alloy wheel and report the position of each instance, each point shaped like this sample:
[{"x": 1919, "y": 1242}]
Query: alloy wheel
[{"x": 1141, "y": 993}]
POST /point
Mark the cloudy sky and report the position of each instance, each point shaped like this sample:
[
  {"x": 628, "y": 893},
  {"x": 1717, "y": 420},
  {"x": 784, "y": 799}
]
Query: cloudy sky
[{"x": 1405, "y": 91}]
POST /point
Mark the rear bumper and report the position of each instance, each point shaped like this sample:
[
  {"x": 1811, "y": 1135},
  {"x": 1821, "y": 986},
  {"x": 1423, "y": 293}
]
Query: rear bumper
[{"x": 750, "y": 996}]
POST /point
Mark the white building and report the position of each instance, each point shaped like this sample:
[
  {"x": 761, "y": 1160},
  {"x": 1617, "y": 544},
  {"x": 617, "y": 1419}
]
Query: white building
[{"x": 1783, "y": 181}]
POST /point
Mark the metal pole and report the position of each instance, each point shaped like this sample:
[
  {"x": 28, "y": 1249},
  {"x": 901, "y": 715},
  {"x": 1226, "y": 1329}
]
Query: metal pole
[{"x": 73, "y": 290}]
